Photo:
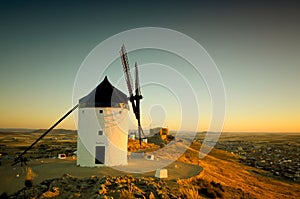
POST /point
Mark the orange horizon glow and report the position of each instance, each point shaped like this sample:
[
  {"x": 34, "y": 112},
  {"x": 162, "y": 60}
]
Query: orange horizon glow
[{"x": 230, "y": 125}]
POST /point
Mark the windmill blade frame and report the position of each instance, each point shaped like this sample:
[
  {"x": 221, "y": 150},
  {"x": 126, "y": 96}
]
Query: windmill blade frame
[
  {"x": 137, "y": 80},
  {"x": 138, "y": 97},
  {"x": 134, "y": 99},
  {"x": 126, "y": 69}
]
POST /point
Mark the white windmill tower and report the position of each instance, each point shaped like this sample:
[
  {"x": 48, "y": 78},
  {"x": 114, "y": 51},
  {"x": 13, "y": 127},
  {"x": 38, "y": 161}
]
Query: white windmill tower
[{"x": 103, "y": 127}]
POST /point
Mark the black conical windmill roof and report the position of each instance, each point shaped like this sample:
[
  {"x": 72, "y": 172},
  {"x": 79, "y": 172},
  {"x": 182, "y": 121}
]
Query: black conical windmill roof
[{"x": 104, "y": 95}]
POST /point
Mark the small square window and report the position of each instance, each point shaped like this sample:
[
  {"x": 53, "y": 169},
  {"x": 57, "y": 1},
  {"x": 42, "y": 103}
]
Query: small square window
[
  {"x": 100, "y": 132},
  {"x": 101, "y": 111}
]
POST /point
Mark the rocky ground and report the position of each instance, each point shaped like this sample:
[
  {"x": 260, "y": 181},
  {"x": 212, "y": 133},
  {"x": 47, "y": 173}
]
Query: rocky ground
[
  {"x": 134, "y": 145},
  {"x": 127, "y": 187},
  {"x": 96, "y": 187}
]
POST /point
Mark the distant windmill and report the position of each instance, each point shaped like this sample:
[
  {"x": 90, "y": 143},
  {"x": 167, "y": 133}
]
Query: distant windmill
[{"x": 134, "y": 99}]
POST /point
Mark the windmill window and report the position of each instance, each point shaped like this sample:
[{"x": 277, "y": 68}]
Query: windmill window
[
  {"x": 100, "y": 132},
  {"x": 101, "y": 111}
]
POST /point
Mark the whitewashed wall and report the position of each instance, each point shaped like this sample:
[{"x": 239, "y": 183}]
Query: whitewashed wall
[{"x": 114, "y": 124}]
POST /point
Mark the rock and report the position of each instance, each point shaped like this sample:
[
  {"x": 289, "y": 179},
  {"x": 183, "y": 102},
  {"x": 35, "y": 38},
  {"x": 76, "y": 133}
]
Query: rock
[{"x": 51, "y": 194}]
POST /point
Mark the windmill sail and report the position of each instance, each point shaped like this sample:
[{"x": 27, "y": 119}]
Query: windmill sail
[
  {"x": 138, "y": 98},
  {"x": 137, "y": 92},
  {"x": 134, "y": 99},
  {"x": 137, "y": 80},
  {"x": 126, "y": 69}
]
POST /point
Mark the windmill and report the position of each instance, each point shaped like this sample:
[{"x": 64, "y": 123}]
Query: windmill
[
  {"x": 105, "y": 144},
  {"x": 133, "y": 98}
]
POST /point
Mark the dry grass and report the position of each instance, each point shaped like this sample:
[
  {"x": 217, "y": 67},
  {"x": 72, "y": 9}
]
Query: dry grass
[
  {"x": 151, "y": 195},
  {"x": 193, "y": 187},
  {"x": 189, "y": 193},
  {"x": 222, "y": 167},
  {"x": 127, "y": 194}
]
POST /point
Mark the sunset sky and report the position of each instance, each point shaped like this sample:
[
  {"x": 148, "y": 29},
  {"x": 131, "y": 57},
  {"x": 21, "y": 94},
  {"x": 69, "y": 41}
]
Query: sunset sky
[{"x": 255, "y": 45}]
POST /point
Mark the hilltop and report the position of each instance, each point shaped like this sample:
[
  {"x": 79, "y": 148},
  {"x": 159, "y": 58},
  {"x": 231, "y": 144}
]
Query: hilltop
[{"x": 223, "y": 173}]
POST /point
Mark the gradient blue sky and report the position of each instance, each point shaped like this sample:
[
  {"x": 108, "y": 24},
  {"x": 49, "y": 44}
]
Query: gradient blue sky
[{"x": 255, "y": 45}]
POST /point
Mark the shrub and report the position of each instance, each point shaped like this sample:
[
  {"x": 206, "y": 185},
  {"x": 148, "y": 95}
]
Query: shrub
[
  {"x": 208, "y": 192},
  {"x": 210, "y": 189},
  {"x": 28, "y": 183},
  {"x": 4, "y": 196}
]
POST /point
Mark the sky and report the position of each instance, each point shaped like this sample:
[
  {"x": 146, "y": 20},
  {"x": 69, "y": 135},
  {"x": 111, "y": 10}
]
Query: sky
[{"x": 255, "y": 45}]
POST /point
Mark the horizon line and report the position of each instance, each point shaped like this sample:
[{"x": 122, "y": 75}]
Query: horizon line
[{"x": 188, "y": 131}]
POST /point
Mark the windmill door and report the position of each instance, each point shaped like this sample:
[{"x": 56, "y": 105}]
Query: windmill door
[{"x": 100, "y": 155}]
